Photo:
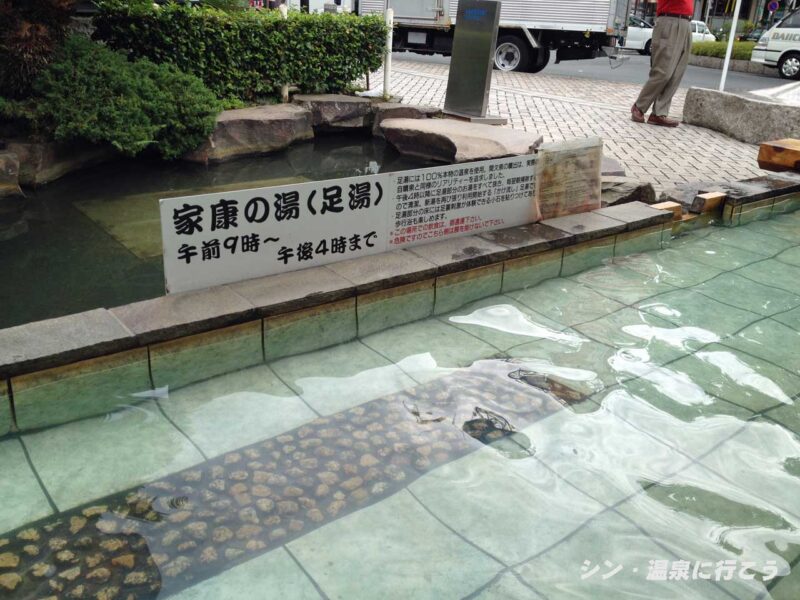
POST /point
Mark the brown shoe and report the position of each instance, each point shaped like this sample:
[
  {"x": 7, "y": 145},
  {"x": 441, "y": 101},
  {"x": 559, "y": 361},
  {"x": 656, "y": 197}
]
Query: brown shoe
[
  {"x": 636, "y": 114},
  {"x": 662, "y": 121}
]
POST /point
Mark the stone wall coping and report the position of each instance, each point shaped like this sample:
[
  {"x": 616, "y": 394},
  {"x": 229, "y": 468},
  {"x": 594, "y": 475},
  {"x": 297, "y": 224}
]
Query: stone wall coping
[
  {"x": 389, "y": 269},
  {"x": 635, "y": 215},
  {"x": 745, "y": 191},
  {"x": 64, "y": 340},
  {"x": 586, "y": 226},
  {"x": 528, "y": 239},
  {"x": 178, "y": 315},
  {"x": 287, "y": 292}
]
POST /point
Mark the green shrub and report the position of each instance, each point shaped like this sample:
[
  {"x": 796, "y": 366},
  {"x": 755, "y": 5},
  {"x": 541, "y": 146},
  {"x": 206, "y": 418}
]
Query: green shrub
[
  {"x": 90, "y": 92},
  {"x": 248, "y": 55},
  {"x": 741, "y": 50}
]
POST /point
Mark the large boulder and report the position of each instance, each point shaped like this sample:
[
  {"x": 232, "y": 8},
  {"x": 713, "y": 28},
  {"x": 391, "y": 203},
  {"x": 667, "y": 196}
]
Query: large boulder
[
  {"x": 621, "y": 190},
  {"x": 453, "y": 141},
  {"x": 336, "y": 111},
  {"x": 43, "y": 162},
  {"x": 253, "y": 131},
  {"x": 395, "y": 110},
  {"x": 744, "y": 118}
]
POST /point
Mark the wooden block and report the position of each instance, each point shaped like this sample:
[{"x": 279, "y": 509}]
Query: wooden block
[
  {"x": 674, "y": 207},
  {"x": 780, "y": 155},
  {"x": 708, "y": 202}
]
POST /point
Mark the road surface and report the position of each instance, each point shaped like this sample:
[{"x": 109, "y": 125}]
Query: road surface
[{"x": 635, "y": 71}]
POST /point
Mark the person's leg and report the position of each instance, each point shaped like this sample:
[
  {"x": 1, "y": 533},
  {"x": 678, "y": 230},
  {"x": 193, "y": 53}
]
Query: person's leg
[
  {"x": 662, "y": 61},
  {"x": 683, "y": 48}
]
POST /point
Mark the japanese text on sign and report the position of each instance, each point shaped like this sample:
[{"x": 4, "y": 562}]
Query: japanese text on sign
[{"x": 462, "y": 199}]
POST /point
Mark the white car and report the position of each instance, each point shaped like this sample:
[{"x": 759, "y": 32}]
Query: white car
[
  {"x": 640, "y": 34},
  {"x": 780, "y": 47}
]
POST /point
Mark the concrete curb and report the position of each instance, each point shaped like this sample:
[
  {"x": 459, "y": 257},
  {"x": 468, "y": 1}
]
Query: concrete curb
[{"x": 741, "y": 66}]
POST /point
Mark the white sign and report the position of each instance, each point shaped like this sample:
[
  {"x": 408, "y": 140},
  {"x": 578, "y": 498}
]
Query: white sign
[
  {"x": 218, "y": 238},
  {"x": 463, "y": 199}
]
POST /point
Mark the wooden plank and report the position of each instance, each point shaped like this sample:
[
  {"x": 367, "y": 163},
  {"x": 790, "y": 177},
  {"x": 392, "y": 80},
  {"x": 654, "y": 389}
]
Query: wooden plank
[
  {"x": 674, "y": 207},
  {"x": 780, "y": 155},
  {"x": 708, "y": 202}
]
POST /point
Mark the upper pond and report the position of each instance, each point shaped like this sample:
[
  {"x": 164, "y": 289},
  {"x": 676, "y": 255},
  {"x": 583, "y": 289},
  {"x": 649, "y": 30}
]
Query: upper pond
[{"x": 95, "y": 236}]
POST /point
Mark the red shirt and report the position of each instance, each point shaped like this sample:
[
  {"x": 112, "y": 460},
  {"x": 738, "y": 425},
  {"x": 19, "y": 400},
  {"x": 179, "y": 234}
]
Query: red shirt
[{"x": 675, "y": 7}]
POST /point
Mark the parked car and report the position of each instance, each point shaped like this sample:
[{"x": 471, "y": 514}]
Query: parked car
[
  {"x": 780, "y": 47},
  {"x": 701, "y": 33},
  {"x": 640, "y": 34},
  {"x": 754, "y": 35}
]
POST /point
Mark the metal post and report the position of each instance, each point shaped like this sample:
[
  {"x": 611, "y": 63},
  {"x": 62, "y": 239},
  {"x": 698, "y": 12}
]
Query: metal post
[
  {"x": 387, "y": 58},
  {"x": 284, "y": 10},
  {"x": 729, "y": 52}
]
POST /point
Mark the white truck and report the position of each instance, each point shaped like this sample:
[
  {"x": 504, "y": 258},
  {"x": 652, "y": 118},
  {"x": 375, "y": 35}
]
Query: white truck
[
  {"x": 780, "y": 47},
  {"x": 529, "y": 29}
]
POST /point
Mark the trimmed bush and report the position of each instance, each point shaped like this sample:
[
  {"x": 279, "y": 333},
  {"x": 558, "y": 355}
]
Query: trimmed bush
[
  {"x": 92, "y": 93},
  {"x": 248, "y": 55},
  {"x": 741, "y": 50}
]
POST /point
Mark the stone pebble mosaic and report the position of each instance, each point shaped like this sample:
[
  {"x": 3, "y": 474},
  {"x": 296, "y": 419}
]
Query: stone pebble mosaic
[{"x": 159, "y": 538}]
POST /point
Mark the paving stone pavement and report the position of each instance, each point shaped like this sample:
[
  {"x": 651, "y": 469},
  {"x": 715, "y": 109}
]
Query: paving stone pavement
[{"x": 564, "y": 107}]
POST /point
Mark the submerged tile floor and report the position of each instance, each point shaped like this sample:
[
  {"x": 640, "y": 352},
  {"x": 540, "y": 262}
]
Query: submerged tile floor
[{"x": 670, "y": 468}]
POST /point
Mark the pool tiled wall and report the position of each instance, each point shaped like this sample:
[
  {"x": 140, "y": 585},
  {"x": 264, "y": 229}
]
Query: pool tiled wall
[
  {"x": 310, "y": 329},
  {"x": 531, "y": 270},
  {"x": 587, "y": 255},
  {"x": 457, "y": 289},
  {"x": 59, "y": 395},
  {"x": 394, "y": 306},
  {"x": 197, "y": 357},
  {"x": 5, "y": 408}
]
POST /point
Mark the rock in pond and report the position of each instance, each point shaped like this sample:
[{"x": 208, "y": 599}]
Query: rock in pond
[
  {"x": 253, "y": 131},
  {"x": 43, "y": 162},
  {"x": 12, "y": 201},
  {"x": 336, "y": 111},
  {"x": 395, "y": 110},
  {"x": 453, "y": 141}
]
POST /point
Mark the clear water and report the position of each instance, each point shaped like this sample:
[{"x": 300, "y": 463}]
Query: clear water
[
  {"x": 94, "y": 237},
  {"x": 628, "y": 432}
]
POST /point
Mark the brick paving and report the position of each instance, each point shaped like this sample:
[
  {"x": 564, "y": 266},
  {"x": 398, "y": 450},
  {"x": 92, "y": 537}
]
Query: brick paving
[{"x": 565, "y": 107}]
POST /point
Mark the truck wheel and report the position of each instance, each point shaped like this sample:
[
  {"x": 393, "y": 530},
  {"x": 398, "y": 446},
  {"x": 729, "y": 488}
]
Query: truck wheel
[
  {"x": 789, "y": 66},
  {"x": 540, "y": 62},
  {"x": 512, "y": 54}
]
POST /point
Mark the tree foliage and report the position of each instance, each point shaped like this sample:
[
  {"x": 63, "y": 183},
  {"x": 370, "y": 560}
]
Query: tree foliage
[
  {"x": 30, "y": 32},
  {"x": 92, "y": 93}
]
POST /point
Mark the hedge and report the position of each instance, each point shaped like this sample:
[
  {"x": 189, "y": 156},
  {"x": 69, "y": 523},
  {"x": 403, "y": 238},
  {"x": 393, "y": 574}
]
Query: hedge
[
  {"x": 248, "y": 55},
  {"x": 741, "y": 50}
]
